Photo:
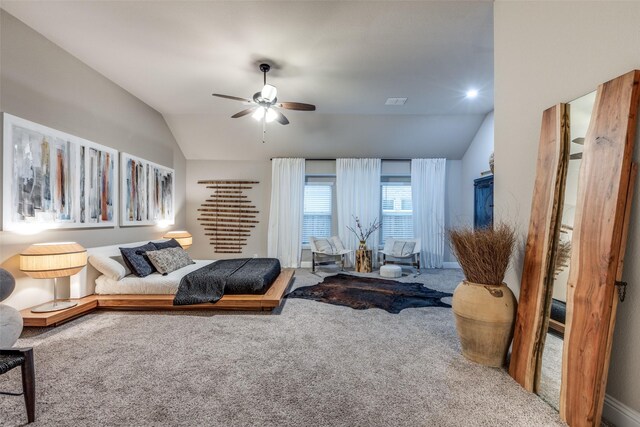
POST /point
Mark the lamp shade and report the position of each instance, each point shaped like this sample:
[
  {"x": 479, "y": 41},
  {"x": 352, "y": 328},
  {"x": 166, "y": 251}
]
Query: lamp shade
[
  {"x": 182, "y": 237},
  {"x": 52, "y": 260},
  {"x": 269, "y": 92}
]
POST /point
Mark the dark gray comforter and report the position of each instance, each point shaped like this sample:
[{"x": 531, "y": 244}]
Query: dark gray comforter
[{"x": 232, "y": 276}]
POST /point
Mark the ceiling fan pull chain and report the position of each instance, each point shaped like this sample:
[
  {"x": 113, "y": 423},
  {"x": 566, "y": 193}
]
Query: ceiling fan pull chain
[{"x": 264, "y": 129}]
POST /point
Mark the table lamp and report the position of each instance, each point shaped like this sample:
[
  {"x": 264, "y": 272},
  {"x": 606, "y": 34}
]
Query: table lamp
[
  {"x": 182, "y": 237},
  {"x": 51, "y": 261}
]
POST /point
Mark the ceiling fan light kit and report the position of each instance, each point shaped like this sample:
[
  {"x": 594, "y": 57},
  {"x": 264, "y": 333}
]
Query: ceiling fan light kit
[{"x": 264, "y": 105}]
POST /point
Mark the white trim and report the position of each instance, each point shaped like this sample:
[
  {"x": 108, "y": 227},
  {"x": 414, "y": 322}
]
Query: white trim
[
  {"x": 451, "y": 265},
  {"x": 619, "y": 414}
]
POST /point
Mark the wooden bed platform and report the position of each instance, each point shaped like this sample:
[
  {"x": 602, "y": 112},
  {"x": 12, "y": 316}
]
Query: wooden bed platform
[{"x": 267, "y": 301}]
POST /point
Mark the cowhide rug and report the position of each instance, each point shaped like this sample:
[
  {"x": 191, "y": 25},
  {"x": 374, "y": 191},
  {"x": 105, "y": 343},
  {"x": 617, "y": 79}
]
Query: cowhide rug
[{"x": 361, "y": 293}]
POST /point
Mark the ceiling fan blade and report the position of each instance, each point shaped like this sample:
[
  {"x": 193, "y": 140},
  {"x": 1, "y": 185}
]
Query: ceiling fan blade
[
  {"x": 296, "y": 106},
  {"x": 280, "y": 118},
  {"x": 579, "y": 141},
  {"x": 244, "y": 112},
  {"x": 575, "y": 156},
  {"x": 235, "y": 98}
]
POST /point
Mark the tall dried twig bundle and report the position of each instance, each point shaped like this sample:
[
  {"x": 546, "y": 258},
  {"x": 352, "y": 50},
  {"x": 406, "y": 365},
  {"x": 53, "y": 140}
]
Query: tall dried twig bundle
[
  {"x": 483, "y": 254},
  {"x": 563, "y": 255}
]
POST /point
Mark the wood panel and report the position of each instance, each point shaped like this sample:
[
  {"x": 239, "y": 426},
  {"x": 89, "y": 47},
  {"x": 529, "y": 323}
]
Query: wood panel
[
  {"x": 222, "y": 183},
  {"x": 85, "y": 305},
  {"x": 544, "y": 228},
  {"x": 601, "y": 209}
]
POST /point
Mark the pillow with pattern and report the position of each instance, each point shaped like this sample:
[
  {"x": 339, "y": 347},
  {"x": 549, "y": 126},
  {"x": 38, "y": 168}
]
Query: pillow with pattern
[
  {"x": 170, "y": 259},
  {"x": 173, "y": 243},
  {"x": 137, "y": 261},
  {"x": 402, "y": 248}
]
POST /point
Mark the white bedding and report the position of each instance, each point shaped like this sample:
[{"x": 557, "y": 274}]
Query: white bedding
[{"x": 154, "y": 283}]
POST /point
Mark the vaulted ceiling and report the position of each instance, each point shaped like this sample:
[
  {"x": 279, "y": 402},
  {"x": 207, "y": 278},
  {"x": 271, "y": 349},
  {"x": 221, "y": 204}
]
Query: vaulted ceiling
[{"x": 345, "y": 57}]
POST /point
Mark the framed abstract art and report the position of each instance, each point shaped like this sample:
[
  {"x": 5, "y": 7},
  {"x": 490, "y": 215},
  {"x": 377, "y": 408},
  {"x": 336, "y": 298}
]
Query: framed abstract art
[
  {"x": 52, "y": 179},
  {"x": 147, "y": 191}
]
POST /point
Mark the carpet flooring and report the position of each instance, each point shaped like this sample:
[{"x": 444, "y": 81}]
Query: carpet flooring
[{"x": 308, "y": 364}]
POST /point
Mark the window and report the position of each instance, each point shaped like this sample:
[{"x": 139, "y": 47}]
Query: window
[
  {"x": 397, "y": 211},
  {"x": 317, "y": 210}
]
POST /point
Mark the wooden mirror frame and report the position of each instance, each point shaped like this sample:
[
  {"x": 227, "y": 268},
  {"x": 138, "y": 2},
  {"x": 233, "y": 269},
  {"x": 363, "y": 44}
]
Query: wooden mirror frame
[{"x": 605, "y": 192}]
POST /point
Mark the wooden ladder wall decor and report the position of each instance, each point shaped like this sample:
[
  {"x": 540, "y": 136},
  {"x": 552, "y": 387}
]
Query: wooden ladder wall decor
[{"x": 228, "y": 215}]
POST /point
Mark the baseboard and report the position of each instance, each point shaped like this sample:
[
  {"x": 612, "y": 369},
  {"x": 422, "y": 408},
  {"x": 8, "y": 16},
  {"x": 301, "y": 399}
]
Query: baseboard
[
  {"x": 453, "y": 264},
  {"x": 619, "y": 414}
]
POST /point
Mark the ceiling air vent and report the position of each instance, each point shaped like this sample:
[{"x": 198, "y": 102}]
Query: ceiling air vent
[{"x": 395, "y": 101}]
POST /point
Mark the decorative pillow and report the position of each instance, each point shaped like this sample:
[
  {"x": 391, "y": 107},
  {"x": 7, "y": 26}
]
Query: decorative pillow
[
  {"x": 137, "y": 261},
  {"x": 326, "y": 246},
  {"x": 170, "y": 259},
  {"x": 337, "y": 243},
  {"x": 173, "y": 243},
  {"x": 112, "y": 267},
  {"x": 402, "y": 249},
  {"x": 330, "y": 246}
]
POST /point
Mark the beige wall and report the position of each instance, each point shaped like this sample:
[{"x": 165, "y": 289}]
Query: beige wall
[
  {"x": 41, "y": 82},
  {"x": 260, "y": 195},
  {"x": 474, "y": 162},
  {"x": 550, "y": 52}
]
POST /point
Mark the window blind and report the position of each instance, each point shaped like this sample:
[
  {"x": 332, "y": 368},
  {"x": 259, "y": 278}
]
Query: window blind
[
  {"x": 397, "y": 211},
  {"x": 317, "y": 211}
]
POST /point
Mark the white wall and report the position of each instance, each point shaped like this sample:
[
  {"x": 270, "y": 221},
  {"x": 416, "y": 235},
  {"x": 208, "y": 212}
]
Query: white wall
[
  {"x": 41, "y": 82},
  {"x": 260, "y": 195},
  {"x": 453, "y": 213},
  {"x": 475, "y": 161},
  {"x": 550, "y": 52}
]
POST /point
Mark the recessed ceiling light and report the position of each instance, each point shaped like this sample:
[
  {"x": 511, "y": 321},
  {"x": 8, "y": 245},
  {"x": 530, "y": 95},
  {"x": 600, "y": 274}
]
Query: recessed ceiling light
[
  {"x": 472, "y": 93},
  {"x": 395, "y": 101}
]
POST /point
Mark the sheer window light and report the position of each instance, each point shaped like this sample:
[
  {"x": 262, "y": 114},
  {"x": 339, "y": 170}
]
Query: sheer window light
[{"x": 397, "y": 210}]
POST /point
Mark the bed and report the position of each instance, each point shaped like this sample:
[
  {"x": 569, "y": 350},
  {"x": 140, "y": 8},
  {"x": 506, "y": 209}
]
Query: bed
[
  {"x": 154, "y": 283},
  {"x": 92, "y": 290},
  {"x": 249, "y": 283}
]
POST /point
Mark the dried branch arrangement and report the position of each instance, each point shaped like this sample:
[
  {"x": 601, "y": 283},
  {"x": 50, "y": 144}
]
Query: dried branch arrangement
[
  {"x": 364, "y": 233},
  {"x": 563, "y": 255},
  {"x": 483, "y": 254}
]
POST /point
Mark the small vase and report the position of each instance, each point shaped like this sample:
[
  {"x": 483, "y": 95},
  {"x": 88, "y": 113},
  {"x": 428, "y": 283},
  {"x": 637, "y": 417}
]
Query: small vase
[
  {"x": 485, "y": 317},
  {"x": 363, "y": 245}
]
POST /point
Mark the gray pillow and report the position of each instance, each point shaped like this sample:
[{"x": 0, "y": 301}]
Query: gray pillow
[
  {"x": 402, "y": 248},
  {"x": 170, "y": 259},
  {"x": 173, "y": 243}
]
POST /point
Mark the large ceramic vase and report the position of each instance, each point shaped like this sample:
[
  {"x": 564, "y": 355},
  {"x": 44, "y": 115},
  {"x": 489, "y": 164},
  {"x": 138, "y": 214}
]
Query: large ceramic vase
[{"x": 485, "y": 316}]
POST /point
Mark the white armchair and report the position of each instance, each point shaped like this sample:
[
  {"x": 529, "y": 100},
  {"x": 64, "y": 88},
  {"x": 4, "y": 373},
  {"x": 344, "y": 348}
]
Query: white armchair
[
  {"x": 396, "y": 249},
  {"x": 327, "y": 250}
]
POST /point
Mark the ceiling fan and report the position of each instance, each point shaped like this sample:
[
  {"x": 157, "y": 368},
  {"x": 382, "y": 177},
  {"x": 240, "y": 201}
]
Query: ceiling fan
[{"x": 265, "y": 103}]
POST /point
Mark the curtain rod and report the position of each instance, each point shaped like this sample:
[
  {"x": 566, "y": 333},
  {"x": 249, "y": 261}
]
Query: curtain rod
[{"x": 327, "y": 159}]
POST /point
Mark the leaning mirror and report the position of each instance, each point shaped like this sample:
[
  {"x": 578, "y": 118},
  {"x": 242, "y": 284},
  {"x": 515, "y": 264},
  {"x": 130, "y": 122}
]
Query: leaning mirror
[
  {"x": 550, "y": 378},
  {"x": 573, "y": 261}
]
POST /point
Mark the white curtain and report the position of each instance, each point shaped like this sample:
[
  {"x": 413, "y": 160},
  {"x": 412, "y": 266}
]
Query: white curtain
[
  {"x": 358, "y": 194},
  {"x": 428, "y": 196},
  {"x": 287, "y": 210}
]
